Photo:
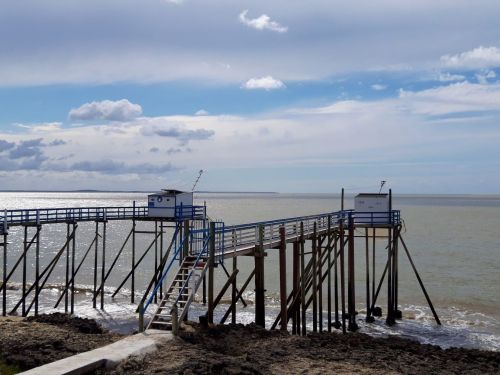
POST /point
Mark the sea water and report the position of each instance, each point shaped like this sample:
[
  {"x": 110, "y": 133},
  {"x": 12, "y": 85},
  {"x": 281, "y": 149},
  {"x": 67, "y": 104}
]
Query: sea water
[{"x": 453, "y": 240}]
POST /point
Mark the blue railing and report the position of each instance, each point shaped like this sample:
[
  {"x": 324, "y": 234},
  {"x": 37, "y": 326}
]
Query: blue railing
[
  {"x": 184, "y": 212},
  {"x": 238, "y": 236},
  {"x": 204, "y": 252},
  {"x": 162, "y": 278},
  {"x": 59, "y": 215}
]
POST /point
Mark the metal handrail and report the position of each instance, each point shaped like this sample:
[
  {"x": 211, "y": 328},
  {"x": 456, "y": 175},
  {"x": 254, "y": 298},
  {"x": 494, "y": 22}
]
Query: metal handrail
[
  {"x": 186, "y": 282},
  {"x": 247, "y": 234},
  {"x": 160, "y": 282},
  {"x": 58, "y": 214}
]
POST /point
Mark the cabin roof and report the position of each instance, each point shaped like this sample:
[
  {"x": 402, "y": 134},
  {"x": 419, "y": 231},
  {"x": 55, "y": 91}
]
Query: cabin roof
[
  {"x": 372, "y": 195},
  {"x": 169, "y": 192}
]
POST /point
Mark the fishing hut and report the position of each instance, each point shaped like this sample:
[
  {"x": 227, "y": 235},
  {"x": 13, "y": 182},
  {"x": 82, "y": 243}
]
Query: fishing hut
[{"x": 323, "y": 249}]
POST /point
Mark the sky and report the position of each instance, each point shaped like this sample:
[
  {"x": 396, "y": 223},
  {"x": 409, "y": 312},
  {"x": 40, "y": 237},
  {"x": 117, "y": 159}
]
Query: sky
[{"x": 285, "y": 96}]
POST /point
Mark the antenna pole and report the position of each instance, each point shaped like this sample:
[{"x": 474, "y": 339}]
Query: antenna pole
[{"x": 197, "y": 179}]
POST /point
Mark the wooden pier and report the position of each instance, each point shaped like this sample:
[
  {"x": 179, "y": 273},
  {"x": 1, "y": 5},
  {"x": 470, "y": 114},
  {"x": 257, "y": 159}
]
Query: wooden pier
[{"x": 322, "y": 249}]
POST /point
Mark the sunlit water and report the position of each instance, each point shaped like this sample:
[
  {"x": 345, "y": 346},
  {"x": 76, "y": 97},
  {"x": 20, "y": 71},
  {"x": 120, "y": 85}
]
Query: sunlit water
[{"x": 454, "y": 241}]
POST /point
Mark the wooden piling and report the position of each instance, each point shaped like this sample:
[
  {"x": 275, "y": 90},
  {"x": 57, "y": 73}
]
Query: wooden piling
[
  {"x": 329, "y": 270},
  {"x": 368, "y": 318},
  {"x": 296, "y": 287},
  {"x": 4, "y": 281},
  {"x": 37, "y": 266},
  {"x": 336, "y": 286},
  {"x": 96, "y": 243},
  {"x": 282, "y": 265},
  {"x": 103, "y": 264},
  {"x": 211, "y": 264},
  {"x": 351, "y": 287},
  {"x": 234, "y": 292},
  {"x": 72, "y": 281},
  {"x": 26, "y": 247},
  {"x": 132, "y": 280},
  {"x": 260, "y": 307},
  {"x": 156, "y": 260},
  {"x": 342, "y": 273},
  {"x": 320, "y": 285},
  {"x": 302, "y": 282},
  {"x": 315, "y": 278}
]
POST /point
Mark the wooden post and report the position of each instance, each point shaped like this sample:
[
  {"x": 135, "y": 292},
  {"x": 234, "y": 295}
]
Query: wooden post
[
  {"x": 351, "y": 287},
  {"x": 37, "y": 267},
  {"x": 103, "y": 268},
  {"x": 156, "y": 260},
  {"x": 141, "y": 317},
  {"x": 96, "y": 242},
  {"x": 211, "y": 264},
  {"x": 175, "y": 319},
  {"x": 397, "y": 312},
  {"x": 329, "y": 270},
  {"x": 24, "y": 271},
  {"x": 373, "y": 269},
  {"x": 342, "y": 200},
  {"x": 132, "y": 280},
  {"x": 161, "y": 255},
  {"x": 234, "y": 292},
  {"x": 336, "y": 286},
  {"x": 320, "y": 284},
  {"x": 73, "y": 251},
  {"x": 4, "y": 282},
  {"x": 302, "y": 280},
  {"x": 66, "y": 296},
  {"x": 342, "y": 275},
  {"x": 260, "y": 308},
  {"x": 369, "y": 317},
  {"x": 420, "y": 282},
  {"x": 296, "y": 286},
  {"x": 315, "y": 278},
  {"x": 390, "y": 292},
  {"x": 390, "y": 315},
  {"x": 283, "y": 294}
]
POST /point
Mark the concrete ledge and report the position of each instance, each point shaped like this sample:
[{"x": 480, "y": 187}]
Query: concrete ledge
[{"x": 107, "y": 356}]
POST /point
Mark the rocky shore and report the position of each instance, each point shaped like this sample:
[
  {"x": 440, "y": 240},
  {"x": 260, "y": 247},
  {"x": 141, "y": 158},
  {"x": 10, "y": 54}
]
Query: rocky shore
[
  {"x": 34, "y": 341},
  {"x": 238, "y": 349}
]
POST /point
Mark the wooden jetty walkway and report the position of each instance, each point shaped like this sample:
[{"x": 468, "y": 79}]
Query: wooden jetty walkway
[{"x": 323, "y": 258}]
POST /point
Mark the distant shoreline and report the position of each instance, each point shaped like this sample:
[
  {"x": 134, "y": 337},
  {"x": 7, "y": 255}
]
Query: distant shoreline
[{"x": 135, "y": 191}]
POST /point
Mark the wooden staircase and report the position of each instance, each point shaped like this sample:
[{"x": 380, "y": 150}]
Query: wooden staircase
[{"x": 181, "y": 292}]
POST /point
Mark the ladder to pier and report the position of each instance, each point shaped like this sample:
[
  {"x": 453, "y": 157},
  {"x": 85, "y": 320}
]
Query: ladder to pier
[{"x": 180, "y": 293}]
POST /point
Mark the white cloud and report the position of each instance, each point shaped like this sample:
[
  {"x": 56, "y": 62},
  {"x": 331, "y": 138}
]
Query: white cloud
[
  {"x": 145, "y": 153},
  {"x": 120, "y": 110},
  {"x": 448, "y": 77},
  {"x": 484, "y": 76},
  {"x": 202, "y": 112},
  {"x": 452, "y": 99},
  {"x": 45, "y": 127},
  {"x": 480, "y": 57},
  {"x": 262, "y": 22},
  {"x": 266, "y": 83},
  {"x": 378, "y": 87},
  {"x": 176, "y": 2}
]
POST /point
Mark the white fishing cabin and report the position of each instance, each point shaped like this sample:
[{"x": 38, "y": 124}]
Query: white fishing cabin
[
  {"x": 372, "y": 208},
  {"x": 170, "y": 203}
]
